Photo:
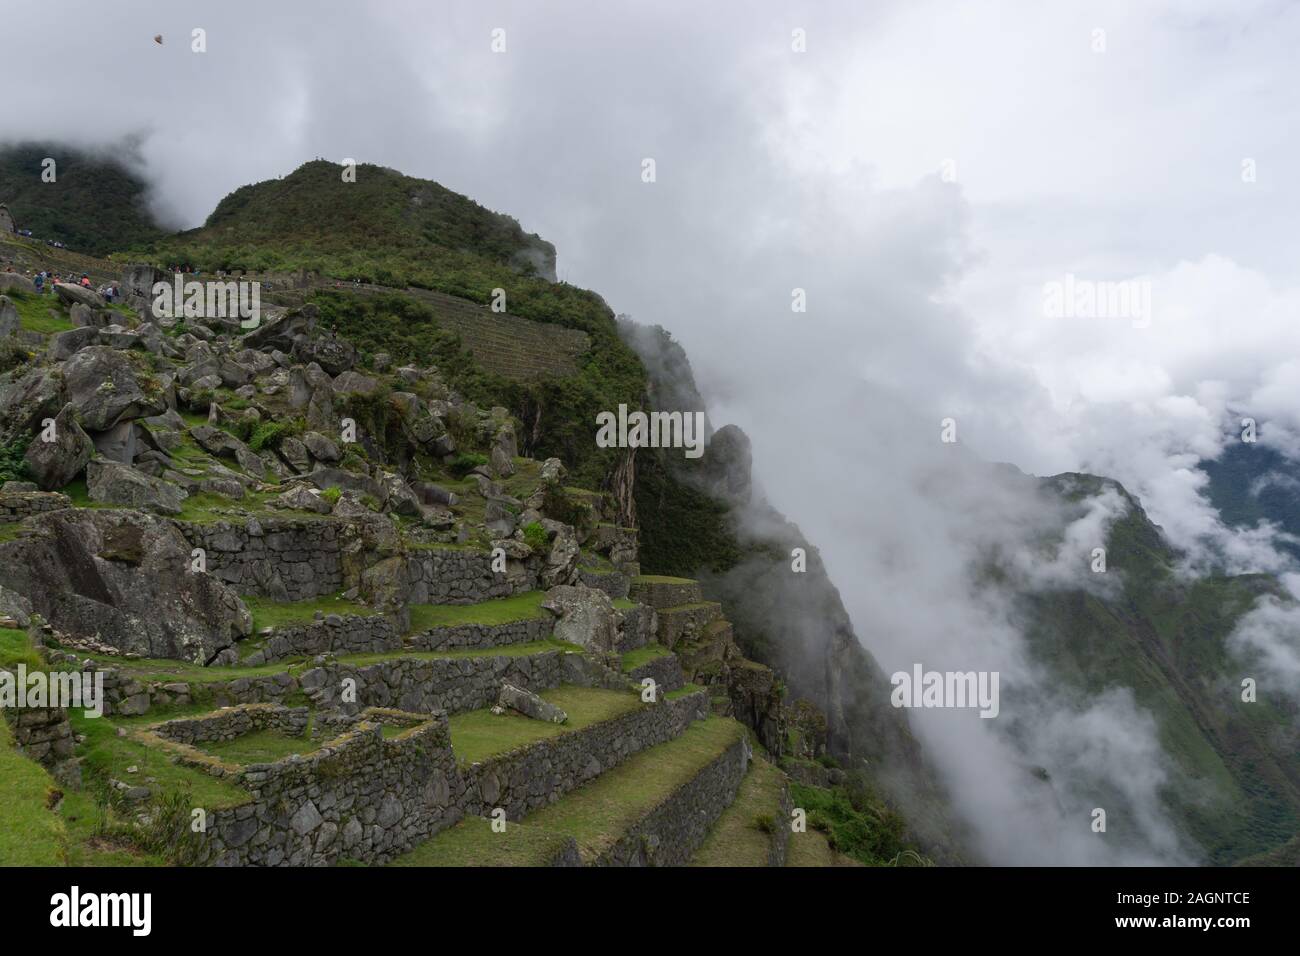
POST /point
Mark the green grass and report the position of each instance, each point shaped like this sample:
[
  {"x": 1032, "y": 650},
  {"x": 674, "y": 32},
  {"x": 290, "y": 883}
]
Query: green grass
[
  {"x": 31, "y": 834},
  {"x": 268, "y": 613},
  {"x": 597, "y": 814},
  {"x": 40, "y": 313},
  {"x": 812, "y": 849},
  {"x": 660, "y": 579},
  {"x": 519, "y": 607},
  {"x": 480, "y": 734},
  {"x": 600, "y": 812},
  {"x": 86, "y": 823},
  {"x": 105, "y": 755},
  {"x": 260, "y": 746},
  {"x": 472, "y": 842},
  {"x": 643, "y": 655},
  {"x": 682, "y": 691},
  {"x": 16, "y": 648},
  {"x": 743, "y": 834}
]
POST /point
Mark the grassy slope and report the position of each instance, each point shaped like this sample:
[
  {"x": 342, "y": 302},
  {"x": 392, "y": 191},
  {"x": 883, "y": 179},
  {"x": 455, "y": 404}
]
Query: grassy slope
[{"x": 31, "y": 833}]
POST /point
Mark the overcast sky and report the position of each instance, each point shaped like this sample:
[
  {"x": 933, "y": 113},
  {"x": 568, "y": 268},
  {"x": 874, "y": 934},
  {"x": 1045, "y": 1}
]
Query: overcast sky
[{"x": 921, "y": 170}]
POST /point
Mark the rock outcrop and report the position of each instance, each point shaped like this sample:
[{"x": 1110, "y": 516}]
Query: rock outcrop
[{"x": 124, "y": 579}]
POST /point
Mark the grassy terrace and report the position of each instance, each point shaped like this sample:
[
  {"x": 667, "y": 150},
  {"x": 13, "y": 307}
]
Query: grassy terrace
[
  {"x": 519, "y": 607},
  {"x": 268, "y": 613},
  {"x": 643, "y": 655},
  {"x": 596, "y": 814},
  {"x": 162, "y": 670},
  {"x": 480, "y": 734},
  {"x": 600, "y": 812},
  {"x": 31, "y": 834},
  {"x": 16, "y": 648},
  {"x": 743, "y": 834},
  {"x": 260, "y": 746},
  {"x": 473, "y": 843},
  {"x": 660, "y": 579},
  {"x": 105, "y": 755},
  {"x": 683, "y": 691}
]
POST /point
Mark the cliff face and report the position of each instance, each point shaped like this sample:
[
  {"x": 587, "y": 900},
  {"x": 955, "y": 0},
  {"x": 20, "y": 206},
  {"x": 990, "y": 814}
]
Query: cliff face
[{"x": 745, "y": 554}]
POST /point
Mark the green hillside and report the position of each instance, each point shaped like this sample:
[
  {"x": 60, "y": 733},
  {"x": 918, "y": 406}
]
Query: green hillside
[
  {"x": 384, "y": 227},
  {"x": 1165, "y": 638},
  {"x": 95, "y": 205}
]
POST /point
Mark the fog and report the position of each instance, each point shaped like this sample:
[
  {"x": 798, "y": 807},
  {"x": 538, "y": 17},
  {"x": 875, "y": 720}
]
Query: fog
[{"x": 920, "y": 171}]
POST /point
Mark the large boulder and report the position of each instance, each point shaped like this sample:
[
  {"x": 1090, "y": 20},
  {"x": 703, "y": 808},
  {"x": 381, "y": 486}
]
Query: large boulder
[
  {"x": 9, "y": 322},
  {"x": 350, "y": 382},
  {"x": 104, "y": 387},
  {"x": 562, "y": 560},
  {"x": 334, "y": 355},
  {"x": 72, "y": 294},
  {"x": 302, "y": 499},
  {"x": 586, "y": 617},
  {"x": 113, "y": 483},
  {"x": 321, "y": 448},
  {"x": 64, "y": 345},
  {"x": 55, "y": 463},
  {"x": 28, "y": 400},
  {"x": 119, "y": 442},
  {"x": 284, "y": 332},
  {"x": 122, "y": 578},
  {"x": 525, "y": 702},
  {"x": 219, "y": 442},
  {"x": 12, "y": 280}
]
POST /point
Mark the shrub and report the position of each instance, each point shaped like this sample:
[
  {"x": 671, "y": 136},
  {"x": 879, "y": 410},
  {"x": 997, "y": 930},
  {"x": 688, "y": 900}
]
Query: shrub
[
  {"x": 465, "y": 462},
  {"x": 765, "y": 822},
  {"x": 332, "y": 494},
  {"x": 12, "y": 466},
  {"x": 272, "y": 434},
  {"x": 535, "y": 536}
]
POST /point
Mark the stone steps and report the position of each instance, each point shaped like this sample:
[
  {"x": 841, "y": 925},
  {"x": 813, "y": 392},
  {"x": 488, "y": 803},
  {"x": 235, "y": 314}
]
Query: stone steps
[
  {"x": 664, "y": 592},
  {"x": 755, "y": 829},
  {"x": 654, "y": 809},
  {"x": 686, "y": 622}
]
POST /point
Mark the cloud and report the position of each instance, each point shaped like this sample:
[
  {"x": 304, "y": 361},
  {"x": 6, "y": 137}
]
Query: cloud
[{"x": 821, "y": 171}]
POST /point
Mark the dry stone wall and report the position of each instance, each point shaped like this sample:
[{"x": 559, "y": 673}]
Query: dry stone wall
[
  {"x": 288, "y": 559},
  {"x": 451, "y": 684},
  {"x": 232, "y": 722},
  {"x": 334, "y": 634},
  {"x": 537, "y": 775},
  {"x": 15, "y": 505},
  {"x": 361, "y": 796},
  {"x": 457, "y": 576},
  {"x": 483, "y": 636},
  {"x": 671, "y": 833}
]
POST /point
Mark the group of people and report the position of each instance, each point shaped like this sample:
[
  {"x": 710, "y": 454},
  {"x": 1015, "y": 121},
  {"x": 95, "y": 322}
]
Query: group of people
[{"x": 109, "y": 290}]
